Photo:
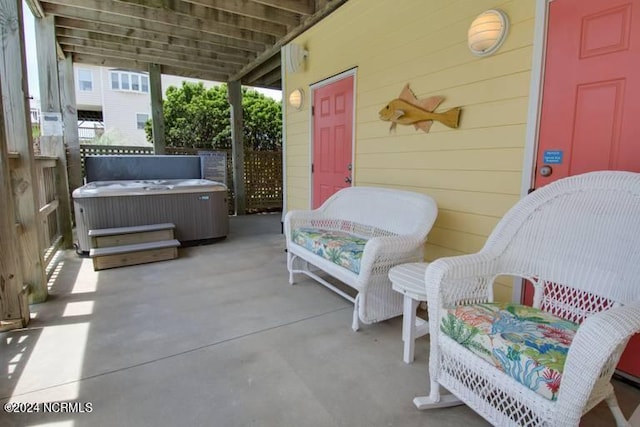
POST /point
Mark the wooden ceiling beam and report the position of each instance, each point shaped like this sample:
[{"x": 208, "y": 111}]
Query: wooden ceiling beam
[
  {"x": 302, "y": 7},
  {"x": 252, "y": 9},
  {"x": 131, "y": 52},
  {"x": 133, "y": 16},
  {"x": 269, "y": 80},
  {"x": 160, "y": 48},
  {"x": 102, "y": 61},
  {"x": 273, "y": 50},
  {"x": 144, "y": 57},
  {"x": 134, "y": 65},
  {"x": 138, "y": 34},
  {"x": 209, "y": 15},
  {"x": 266, "y": 67}
]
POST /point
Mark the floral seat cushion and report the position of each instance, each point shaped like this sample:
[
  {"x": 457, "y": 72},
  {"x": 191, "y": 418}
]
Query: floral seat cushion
[
  {"x": 527, "y": 344},
  {"x": 341, "y": 248}
]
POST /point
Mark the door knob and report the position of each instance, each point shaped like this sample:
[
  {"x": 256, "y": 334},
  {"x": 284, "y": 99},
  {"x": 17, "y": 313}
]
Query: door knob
[
  {"x": 546, "y": 170},
  {"x": 347, "y": 179}
]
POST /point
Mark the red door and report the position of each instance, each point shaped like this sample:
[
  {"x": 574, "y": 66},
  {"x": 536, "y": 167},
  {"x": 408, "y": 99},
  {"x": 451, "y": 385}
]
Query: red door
[
  {"x": 332, "y": 138},
  {"x": 590, "y": 117}
]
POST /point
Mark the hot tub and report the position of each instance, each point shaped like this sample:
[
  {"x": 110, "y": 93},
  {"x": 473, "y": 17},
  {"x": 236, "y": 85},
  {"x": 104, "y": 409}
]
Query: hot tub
[{"x": 197, "y": 207}]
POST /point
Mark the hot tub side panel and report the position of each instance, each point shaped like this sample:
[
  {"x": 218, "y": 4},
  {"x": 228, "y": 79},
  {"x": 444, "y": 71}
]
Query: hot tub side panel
[{"x": 197, "y": 216}]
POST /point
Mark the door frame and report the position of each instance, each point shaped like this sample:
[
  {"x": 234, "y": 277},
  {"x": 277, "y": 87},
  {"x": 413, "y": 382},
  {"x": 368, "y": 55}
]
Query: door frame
[
  {"x": 541, "y": 22},
  {"x": 312, "y": 88}
]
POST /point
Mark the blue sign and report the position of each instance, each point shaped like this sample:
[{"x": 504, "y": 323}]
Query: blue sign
[{"x": 552, "y": 157}]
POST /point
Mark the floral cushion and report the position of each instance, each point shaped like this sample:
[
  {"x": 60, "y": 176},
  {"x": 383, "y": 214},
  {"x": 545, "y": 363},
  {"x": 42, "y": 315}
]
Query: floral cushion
[
  {"x": 527, "y": 344},
  {"x": 338, "y": 247}
]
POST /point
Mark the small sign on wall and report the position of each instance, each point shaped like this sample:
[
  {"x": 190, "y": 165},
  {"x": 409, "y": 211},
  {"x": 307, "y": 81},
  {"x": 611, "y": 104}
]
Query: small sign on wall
[
  {"x": 552, "y": 157},
  {"x": 51, "y": 124}
]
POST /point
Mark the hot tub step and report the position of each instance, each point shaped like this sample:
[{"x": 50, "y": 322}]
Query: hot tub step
[
  {"x": 140, "y": 253},
  {"x": 108, "y": 237}
]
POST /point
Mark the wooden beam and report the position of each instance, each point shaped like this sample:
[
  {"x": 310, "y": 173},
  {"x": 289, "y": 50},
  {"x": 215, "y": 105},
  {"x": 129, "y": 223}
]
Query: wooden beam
[
  {"x": 265, "y": 68},
  {"x": 275, "y": 48},
  {"x": 53, "y": 144},
  {"x": 164, "y": 38},
  {"x": 151, "y": 46},
  {"x": 74, "y": 45},
  {"x": 167, "y": 30},
  {"x": 17, "y": 137},
  {"x": 212, "y": 15},
  {"x": 237, "y": 144},
  {"x": 252, "y": 9},
  {"x": 157, "y": 113},
  {"x": 125, "y": 12},
  {"x": 70, "y": 119},
  {"x": 79, "y": 58},
  {"x": 303, "y": 7},
  {"x": 10, "y": 269},
  {"x": 129, "y": 64},
  {"x": 269, "y": 80}
]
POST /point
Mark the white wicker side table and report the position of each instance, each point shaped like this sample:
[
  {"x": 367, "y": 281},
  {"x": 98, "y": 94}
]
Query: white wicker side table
[{"x": 408, "y": 279}]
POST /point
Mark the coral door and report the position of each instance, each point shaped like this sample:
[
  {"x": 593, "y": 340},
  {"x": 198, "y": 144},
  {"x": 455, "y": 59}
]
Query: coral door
[
  {"x": 591, "y": 98},
  {"x": 332, "y": 138}
]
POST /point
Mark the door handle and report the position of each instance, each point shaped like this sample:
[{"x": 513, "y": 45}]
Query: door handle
[
  {"x": 347, "y": 179},
  {"x": 546, "y": 170}
]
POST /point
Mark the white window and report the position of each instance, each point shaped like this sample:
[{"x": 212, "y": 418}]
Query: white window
[
  {"x": 85, "y": 80},
  {"x": 115, "y": 81},
  {"x": 141, "y": 119},
  {"x": 130, "y": 82},
  {"x": 135, "y": 82},
  {"x": 124, "y": 81}
]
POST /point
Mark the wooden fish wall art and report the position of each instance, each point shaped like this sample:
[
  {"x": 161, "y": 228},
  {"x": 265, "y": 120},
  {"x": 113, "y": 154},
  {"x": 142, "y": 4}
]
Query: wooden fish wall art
[{"x": 409, "y": 110}]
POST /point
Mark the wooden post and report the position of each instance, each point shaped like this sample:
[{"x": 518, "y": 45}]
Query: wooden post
[
  {"x": 70, "y": 119},
  {"x": 235, "y": 99},
  {"x": 17, "y": 124},
  {"x": 11, "y": 293},
  {"x": 51, "y": 142},
  {"x": 157, "y": 116}
]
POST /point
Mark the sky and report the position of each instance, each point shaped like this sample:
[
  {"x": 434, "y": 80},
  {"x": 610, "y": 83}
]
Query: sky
[{"x": 32, "y": 62}]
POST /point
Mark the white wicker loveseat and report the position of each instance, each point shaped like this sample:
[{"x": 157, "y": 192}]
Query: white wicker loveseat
[
  {"x": 578, "y": 241},
  {"x": 356, "y": 236}
]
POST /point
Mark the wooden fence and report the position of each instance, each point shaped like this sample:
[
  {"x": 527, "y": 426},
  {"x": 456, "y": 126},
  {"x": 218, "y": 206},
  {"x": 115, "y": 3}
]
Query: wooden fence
[{"x": 262, "y": 172}]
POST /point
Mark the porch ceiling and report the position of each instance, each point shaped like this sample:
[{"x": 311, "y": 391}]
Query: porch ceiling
[{"x": 222, "y": 40}]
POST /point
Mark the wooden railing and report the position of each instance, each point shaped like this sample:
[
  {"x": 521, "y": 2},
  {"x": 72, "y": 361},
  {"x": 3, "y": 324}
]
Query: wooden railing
[{"x": 49, "y": 204}]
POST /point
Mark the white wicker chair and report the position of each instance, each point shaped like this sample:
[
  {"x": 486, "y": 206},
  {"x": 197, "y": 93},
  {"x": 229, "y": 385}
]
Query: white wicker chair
[
  {"x": 396, "y": 224},
  {"x": 578, "y": 241}
]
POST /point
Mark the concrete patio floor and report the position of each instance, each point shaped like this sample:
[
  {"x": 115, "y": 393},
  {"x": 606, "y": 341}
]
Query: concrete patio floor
[{"x": 218, "y": 338}]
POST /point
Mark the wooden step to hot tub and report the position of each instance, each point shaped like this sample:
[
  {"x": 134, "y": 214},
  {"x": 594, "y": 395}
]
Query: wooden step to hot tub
[
  {"x": 139, "y": 253},
  {"x": 108, "y": 237},
  {"x": 122, "y": 246}
]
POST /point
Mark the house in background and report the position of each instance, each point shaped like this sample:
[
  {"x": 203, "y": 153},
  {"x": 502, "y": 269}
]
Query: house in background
[
  {"x": 116, "y": 103},
  {"x": 559, "y": 97}
]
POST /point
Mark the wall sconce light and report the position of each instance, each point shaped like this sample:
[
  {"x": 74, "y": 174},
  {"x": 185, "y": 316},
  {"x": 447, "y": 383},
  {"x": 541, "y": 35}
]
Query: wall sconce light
[
  {"x": 296, "y": 98},
  {"x": 294, "y": 56},
  {"x": 487, "y": 32}
]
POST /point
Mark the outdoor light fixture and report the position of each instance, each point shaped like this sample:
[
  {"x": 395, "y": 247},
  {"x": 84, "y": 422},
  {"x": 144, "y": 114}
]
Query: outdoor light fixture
[
  {"x": 296, "y": 98},
  {"x": 487, "y": 32},
  {"x": 294, "y": 56}
]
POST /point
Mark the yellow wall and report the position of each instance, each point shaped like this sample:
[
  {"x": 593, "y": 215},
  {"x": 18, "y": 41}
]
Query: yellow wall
[{"x": 473, "y": 172}]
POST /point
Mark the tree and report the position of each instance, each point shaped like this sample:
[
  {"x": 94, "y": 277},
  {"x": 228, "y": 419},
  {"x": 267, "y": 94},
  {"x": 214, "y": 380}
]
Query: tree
[{"x": 200, "y": 118}]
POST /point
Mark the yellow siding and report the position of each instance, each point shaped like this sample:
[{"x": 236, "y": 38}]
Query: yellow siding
[{"x": 473, "y": 172}]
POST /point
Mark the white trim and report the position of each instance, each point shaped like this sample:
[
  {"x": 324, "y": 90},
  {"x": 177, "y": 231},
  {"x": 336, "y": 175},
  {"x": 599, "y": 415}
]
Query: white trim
[
  {"x": 533, "y": 115},
  {"x": 351, "y": 72},
  {"x": 284, "y": 134}
]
